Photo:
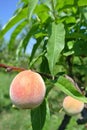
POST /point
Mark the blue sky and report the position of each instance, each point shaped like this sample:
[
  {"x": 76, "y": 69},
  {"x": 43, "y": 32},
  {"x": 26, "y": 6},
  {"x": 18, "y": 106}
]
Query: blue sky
[{"x": 7, "y": 8}]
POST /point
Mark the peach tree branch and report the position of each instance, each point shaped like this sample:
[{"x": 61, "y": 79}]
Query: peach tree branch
[
  {"x": 19, "y": 69},
  {"x": 11, "y": 68}
]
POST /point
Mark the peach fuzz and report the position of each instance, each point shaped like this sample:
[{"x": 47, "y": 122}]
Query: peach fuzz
[
  {"x": 72, "y": 106},
  {"x": 27, "y": 90}
]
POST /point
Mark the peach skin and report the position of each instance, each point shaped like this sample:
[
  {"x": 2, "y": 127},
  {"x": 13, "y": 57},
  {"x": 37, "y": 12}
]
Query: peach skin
[
  {"x": 27, "y": 90},
  {"x": 72, "y": 106}
]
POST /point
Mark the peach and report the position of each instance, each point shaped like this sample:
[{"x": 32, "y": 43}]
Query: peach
[
  {"x": 27, "y": 90},
  {"x": 72, "y": 106}
]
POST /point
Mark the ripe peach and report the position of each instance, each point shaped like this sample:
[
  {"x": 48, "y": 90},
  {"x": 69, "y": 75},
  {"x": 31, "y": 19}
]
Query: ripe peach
[
  {"x": 72, "y": 106},
  {"x": 27, "y": 89}
]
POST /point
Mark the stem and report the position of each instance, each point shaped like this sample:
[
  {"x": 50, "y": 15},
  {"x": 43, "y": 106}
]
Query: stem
[
  {"x": 46, "y": 75},
  {"x": 65, "y": 122},
  {"x": 53, "y": 9},
  {"x": 11, "y": 68},
  {"x": 69, "y": 58}
]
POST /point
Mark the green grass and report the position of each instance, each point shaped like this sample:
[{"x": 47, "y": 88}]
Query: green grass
[{"x": 15, "y": 119}]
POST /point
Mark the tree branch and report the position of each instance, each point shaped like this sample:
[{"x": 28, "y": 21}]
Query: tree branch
[
  {"x": 19, "y": 69},
  {"x": 65, "y": 122},
  {"x": 11, "y": 68}
]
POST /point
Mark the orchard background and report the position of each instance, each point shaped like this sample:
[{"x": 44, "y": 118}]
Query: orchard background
[{"x": 49, "y": 37}]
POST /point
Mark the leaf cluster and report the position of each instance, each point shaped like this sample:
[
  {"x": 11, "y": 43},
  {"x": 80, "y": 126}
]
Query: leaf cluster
[{"x": 55, "y": 34}]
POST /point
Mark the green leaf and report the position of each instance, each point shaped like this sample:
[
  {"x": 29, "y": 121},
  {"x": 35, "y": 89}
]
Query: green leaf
[
  {"x": 68, "y": 88},
  {"x": 76, "y": 35},
  {"x": 32, "y": 4},
  {"x": 47, "y": 120},
  {"x": 37, "y": 58},
  {"x": 16, "y": 32},
  {"x": 68, "y": 53},
  {"x": 14, "y": 20},
  {"x": 55, "y": 44},
  {"x": 85, "y": 13},
  {"x": 30, "y": 34},
  {"x": 42, "y": 9},
  {"x": 24, "y": 42},
  {"x": 80, "y": 48},
  {"x": 24, "y": 1},
  {"x": 44, "y": 67},
  {"x": 82, "y": 3},
  {"x": 64, "y": 3},
  {"x": 38, "y": 116},
  {"x": 70, "y": 19},
  {"x": 35, "y": 47}
]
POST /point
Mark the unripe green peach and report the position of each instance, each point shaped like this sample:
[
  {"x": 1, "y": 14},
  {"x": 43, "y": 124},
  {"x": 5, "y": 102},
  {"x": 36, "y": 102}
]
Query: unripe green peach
[
  {"x": 72, "y": 106},
  {"x": 27, "y": 90}
]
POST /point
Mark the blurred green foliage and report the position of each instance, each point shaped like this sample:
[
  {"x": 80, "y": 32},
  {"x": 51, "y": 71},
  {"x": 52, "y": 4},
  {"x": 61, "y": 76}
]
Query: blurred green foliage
[{"x": 55, "y": 34}]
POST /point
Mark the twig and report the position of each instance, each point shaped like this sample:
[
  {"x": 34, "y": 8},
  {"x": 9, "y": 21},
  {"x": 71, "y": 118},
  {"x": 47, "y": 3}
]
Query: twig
[
  {"x": 11, "y": 68},
  {"x": 46, "y": 75},
  {"x": 65, "y": 122},
  {"x": 19, "y": 69}
]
